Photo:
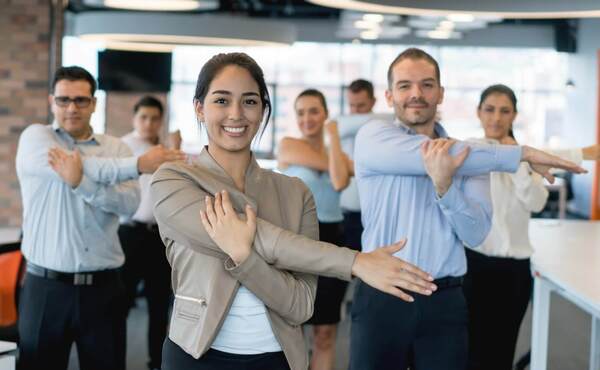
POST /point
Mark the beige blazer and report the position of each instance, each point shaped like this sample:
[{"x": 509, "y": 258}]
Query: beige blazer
[{"x": 280, "y": 269}]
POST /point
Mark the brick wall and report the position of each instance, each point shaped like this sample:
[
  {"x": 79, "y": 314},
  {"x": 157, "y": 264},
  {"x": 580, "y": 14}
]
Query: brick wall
[{"x": 24, "y": 65}]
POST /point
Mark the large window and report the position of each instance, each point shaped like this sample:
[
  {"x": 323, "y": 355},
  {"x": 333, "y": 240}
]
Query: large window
[{"x": 538, "y": 77}]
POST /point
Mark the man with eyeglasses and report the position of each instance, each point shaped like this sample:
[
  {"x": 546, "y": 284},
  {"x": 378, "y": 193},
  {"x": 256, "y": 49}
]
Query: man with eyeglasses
[{"x": 75, "y": 184}]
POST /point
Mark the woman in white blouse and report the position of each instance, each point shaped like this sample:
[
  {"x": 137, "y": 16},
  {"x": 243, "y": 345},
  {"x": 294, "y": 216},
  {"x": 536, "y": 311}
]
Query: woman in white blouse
[{"x": 498, "y": 282}]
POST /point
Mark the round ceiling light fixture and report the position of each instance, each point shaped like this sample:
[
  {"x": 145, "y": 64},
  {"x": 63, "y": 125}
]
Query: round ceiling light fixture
[
  {"x": 157, "y": 5},
  {"x": 513, "y": 9}
]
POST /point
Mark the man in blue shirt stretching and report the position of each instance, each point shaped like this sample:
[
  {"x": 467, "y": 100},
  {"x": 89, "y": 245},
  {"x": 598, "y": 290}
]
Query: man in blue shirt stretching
[{"x": 415, "y": 182}]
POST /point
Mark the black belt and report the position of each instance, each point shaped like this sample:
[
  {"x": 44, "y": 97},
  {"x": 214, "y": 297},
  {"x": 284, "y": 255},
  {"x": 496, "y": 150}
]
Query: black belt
[
  {"x": 448, "y": 282},
  {"x": 142, "y": 225},
  {"x": 74, "y": 278}
]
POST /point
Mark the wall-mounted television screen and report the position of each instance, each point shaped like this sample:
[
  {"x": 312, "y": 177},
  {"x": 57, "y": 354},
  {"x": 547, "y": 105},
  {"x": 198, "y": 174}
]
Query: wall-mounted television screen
[{"x": 134, "y": 71}]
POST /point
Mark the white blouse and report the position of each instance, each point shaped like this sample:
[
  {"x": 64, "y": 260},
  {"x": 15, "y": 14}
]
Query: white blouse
[
  {"x": 246, "y": 329},
  {"x": 514, "y": 197}
]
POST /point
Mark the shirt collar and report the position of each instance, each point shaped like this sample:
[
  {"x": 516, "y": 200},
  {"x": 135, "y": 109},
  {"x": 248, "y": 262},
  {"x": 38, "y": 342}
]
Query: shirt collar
[
  {"x": 92, "y": 140},
  {"x": 438, "y": 128}
]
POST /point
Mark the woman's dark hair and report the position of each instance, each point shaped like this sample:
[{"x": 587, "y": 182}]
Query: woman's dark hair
[
  {"x": 218, "y": 62},
  {"x": 315, "y": 93},
  {"x": 504, "y": 90}
]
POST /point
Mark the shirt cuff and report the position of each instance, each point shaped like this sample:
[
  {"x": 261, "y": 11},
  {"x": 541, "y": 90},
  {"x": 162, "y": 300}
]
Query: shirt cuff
[
  {"x": 508, "y": 157},
  {"x": 452, "y": 201},
  {"x": 86, "y": 188},
  {"x": 130, "y": 167}
]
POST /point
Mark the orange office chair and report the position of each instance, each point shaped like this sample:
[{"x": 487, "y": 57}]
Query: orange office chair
[{"x": 11, "y": 270}]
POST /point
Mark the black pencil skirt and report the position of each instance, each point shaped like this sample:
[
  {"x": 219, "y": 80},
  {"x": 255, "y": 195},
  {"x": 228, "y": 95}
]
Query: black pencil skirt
[{"x": 330, "y": 291}]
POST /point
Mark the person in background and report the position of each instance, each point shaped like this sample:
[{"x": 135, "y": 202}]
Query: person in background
[
  {"x": 144, "y": 252},
  {"x": 72, "y": 290},
  {"x": 498, "y": 282},
  {"x": 361, "y": 97},
  {"x": 326, "y": 172},
  {"x": 75, "y": 184},
  {"x": 416, "y": 181},
  {"x": 243, "y": 287},
  {"x": 361, "y": 100}
]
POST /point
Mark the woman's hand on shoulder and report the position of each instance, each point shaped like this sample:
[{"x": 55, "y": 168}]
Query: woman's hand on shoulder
[{"x": 230, "y": 232}]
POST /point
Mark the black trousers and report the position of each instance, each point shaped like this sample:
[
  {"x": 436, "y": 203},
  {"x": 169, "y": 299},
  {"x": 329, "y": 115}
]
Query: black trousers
[
  {"x": 390, "y": 334},
  {"x": 497, "y": 292},
  {"x": 145, "y": 260},
  {"x": 54, "y": 314},
  {"x": 174, "y": 358},
  {"x": 330, "y": 291},
  {"x": 353, "y": 230}
]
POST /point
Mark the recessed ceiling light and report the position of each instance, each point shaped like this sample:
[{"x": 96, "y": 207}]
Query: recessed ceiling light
[
  {"x": 438, "y": 34},
  {"x": 373, "y": 17},
  {"x": 365, "y": 25},
  {"x": 369, "y": 35},
  {"x": 459, "y": 17},
  {"x": 446, "y": 25}
]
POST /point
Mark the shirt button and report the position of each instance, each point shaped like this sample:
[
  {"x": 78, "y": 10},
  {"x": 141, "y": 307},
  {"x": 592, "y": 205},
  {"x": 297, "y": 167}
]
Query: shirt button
[{"x": 86, "y": 249}]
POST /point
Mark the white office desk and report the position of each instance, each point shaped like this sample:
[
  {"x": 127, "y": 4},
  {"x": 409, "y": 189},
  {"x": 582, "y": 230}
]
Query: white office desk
[
  {"x": 7, "y": 357},
  {"x": 9, "y": 235},
  {"x": 566, "y": 261}
]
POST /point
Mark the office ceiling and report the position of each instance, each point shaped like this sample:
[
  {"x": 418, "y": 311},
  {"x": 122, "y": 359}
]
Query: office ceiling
[
  {"x": 251, "y": 8},
  {"x": 344, "y": 24}
]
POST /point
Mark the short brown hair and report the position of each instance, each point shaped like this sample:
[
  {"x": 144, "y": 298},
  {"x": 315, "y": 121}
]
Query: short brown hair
[
  {"x": 359, "y": 85},
  {"x": 413, "y": 54},
  {"x": 148, "y": 101}
]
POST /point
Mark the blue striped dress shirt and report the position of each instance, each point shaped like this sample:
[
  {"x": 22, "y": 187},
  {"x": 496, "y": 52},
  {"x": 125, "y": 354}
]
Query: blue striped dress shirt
[
  {"x": 398, "y": 198},
  {"x": 74, "y": 229}
]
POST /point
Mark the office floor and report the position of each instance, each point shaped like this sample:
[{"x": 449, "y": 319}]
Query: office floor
[{"x": 568, "y": 344}]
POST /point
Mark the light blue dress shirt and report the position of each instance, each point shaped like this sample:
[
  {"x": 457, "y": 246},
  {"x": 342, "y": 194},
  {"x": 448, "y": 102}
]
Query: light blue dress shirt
[
  {"x": 348, "y": 126},
  {"x": 398, "y": 198},
  {"x": 74, "y": 230},
  {"x": 327, "y": 199}
]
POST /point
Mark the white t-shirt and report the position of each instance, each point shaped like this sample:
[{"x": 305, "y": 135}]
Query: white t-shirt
[{"x": 246, "y": 329}]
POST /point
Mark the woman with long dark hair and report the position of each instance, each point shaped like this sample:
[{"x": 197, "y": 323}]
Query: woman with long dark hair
[
  {"x": 498, "y": 282},
  {"x": 240, "y": 239}
]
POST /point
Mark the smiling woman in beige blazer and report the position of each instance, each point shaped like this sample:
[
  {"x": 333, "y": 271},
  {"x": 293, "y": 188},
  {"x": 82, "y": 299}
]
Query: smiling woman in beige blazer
[{"x": 242, "y": 272}]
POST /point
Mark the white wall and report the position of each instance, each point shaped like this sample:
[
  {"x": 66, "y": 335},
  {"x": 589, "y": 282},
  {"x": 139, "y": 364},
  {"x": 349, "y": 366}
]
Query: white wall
[{"x": 583, "y": 104}]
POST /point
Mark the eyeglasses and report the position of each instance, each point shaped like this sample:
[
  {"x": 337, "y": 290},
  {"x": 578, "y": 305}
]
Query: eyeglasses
[{"x": 79, "y": 101}]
